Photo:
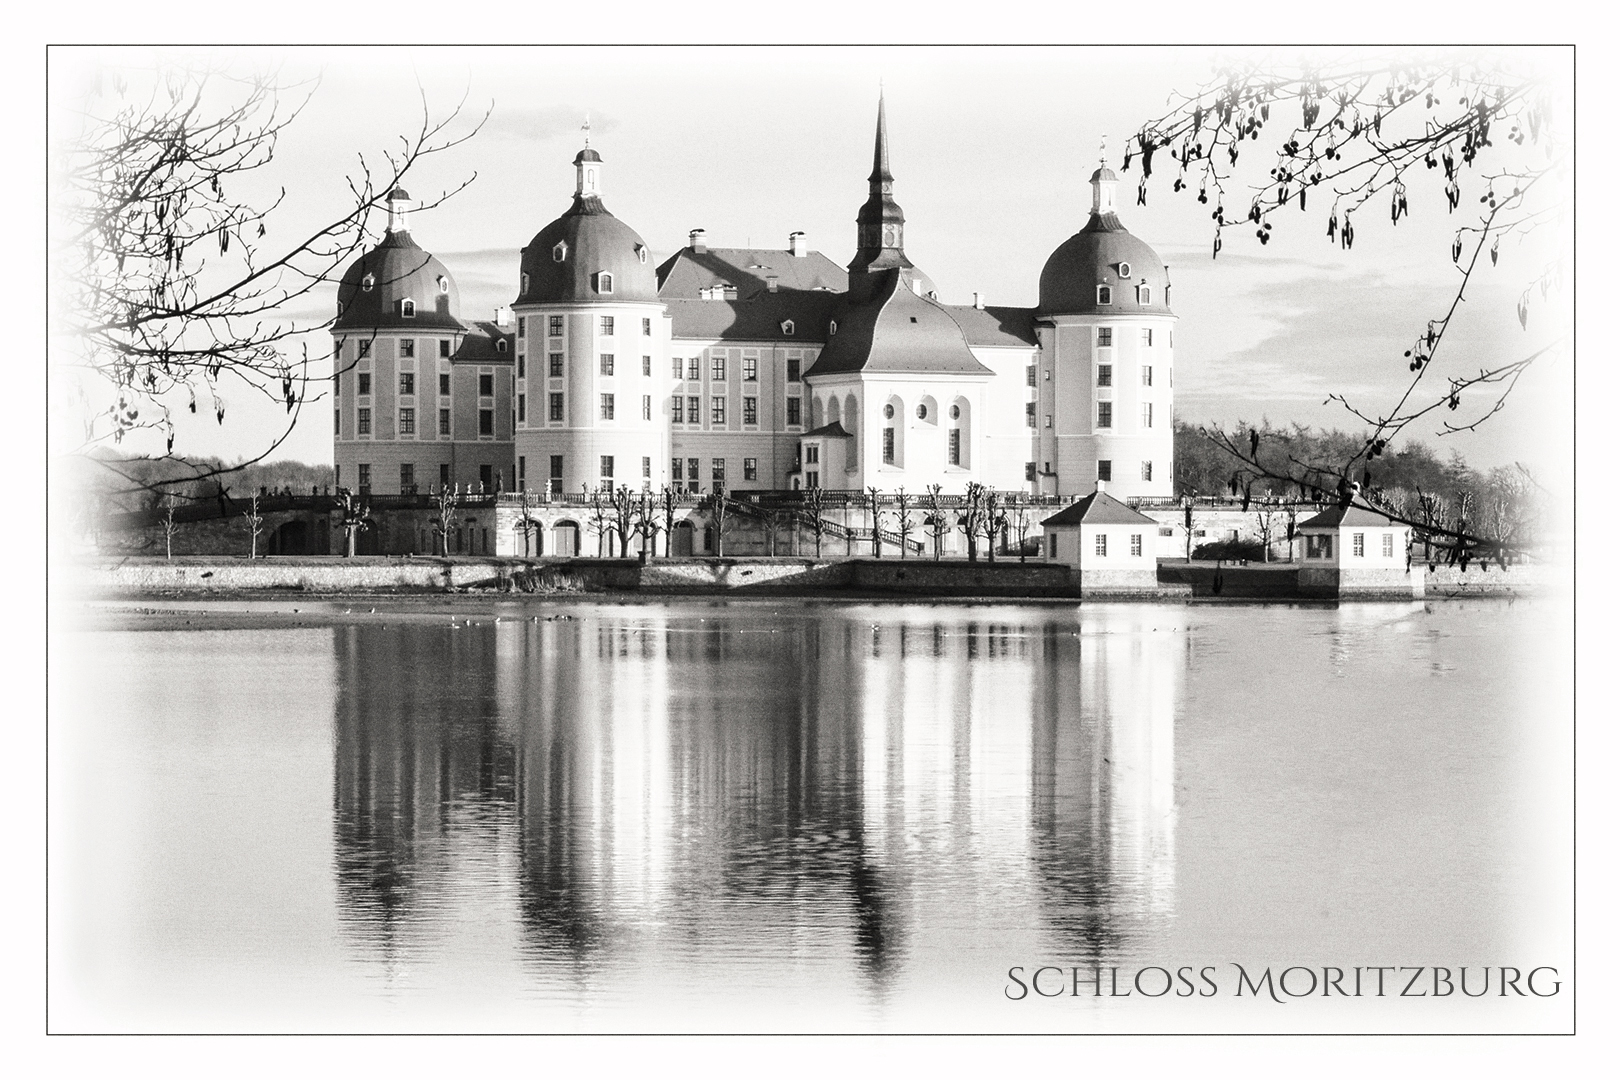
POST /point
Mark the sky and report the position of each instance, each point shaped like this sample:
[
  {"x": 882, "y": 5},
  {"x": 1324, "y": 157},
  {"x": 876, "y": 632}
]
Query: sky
[{"x": 991, "y": 149}]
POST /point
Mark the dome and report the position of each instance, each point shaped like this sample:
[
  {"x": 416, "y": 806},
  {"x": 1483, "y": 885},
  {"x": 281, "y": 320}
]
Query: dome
[
  {"x": 1094, "y": 256},
  {"x": 592, "y": 242},
  {"x": 398, "y": 269},
  {"x": 587, "y": 154}
]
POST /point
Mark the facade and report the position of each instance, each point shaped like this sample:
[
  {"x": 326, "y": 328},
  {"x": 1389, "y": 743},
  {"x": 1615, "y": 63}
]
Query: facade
[{"x": 757, "y": 369}]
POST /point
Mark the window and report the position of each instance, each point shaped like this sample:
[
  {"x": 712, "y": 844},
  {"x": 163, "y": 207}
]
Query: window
[
  {"x": 793, "y": 369},
  {"x": 522, "y": 365},
  {"x": 888, "y": 446},
  {"x": 692, "y": 472},
  {"x": 407, "y": 421},
  {"x": 793, "y": 415},
  {"x": 675, "y": 469},
  {"x": 1105, "y": 414},
  {"x": 444, "y": 347},
  {"x": 1029, "y": 375},
  {"x": 1318, "y": 547},
  {"x": 1105, "y": 337},
  {"x": 407, "y": 346},
  {"x": 607, "y": 326},
  {"x": 956, "y": 412},
  {"x": 523, "y": 328},
  {"x": 787, "y": 328},
  {"x": 337, "y": 423},
  {"x": 444, "y": 421},
  {"x": 1105, "y": 470},
  {"x": 1029, "y": 471},
  {"x": 368, "y": 283},
  {"x": 486, "y": 479},
  {"x": 444, "y": 384},
  {"x": 407, "y": 309},
  {"x": 560, "y": 251},
  {"x": 717, "y": 369},
  {"x": 1147, "y": 374},
  {"x": 486, "y": 421},
  {"x": 694, "y": 369},
  {"x": 717, "y": 410},
  {"x": 1144, "y": 295},
  {"x": 523, "y": 415},
  {"x": 556, "y": 365},
  {"x": 1105, "y": 374},
  {"x": 1136, "y": 545},
  {"x": 607, "y": 465},
  {"x": 523, "y": 471},
  {"x": 646, "y": 324},
  {"x": 1358, "y": 544},
  {"x": 1029, "y": 413},
  {"x": 694, "y": 410},
  {"x": 1051, "y": 546},
  {"x": 953, "y": 448},
  {"x": 1147, "y": 336},
  {"x": 607, "y": 363},
  {"x": 646, "y": 406},
  {"x": 364, "y": 380},
  {"x": 365, "y": 477},
  {"x": 750, "y": 410},
  {"x": 1167, "y": 531},
  {"x": 556, "y": 325},
  {"x": 1105, "y": 295},
  {"x": 524, "y": 286},
  {"x": 646, "y": 365},
  {"x": 1124, "y": 269},
  {"x": 888, "y": 412},
  {"x": 364, "y": 348},
  {"x": 1102, "y": 544},
  {"x": 812, "y": 454},
  {"x": 717, "y": 470},
  {"x": 607, "y": 406},
  {"x": 556, "y": 407},
  {"x": 1389, "y": 545},
  {"x": 750, "y": 468},
  {"x": 337, "y": 386},
  {"x": 1147, "y": 470},
  {"x": 444, "y": 476},
  {"x": 750, "y": 369},
  {"x": 364, "y": 418},
  {"x": 407, "y": 479},
  {"x": 407, "y": 384},
  {"x": 1147, "y": 414},
  {"x": 556, "y": 467},
  {"x": 1048, "y": 420},
  {"x": 675, "y": 367},
  {"x": 486, "y": 386},
  {"x": 500, "y": 344},
  {"x": 676, "y": 413},
  {"x": 604, "y": 283}
]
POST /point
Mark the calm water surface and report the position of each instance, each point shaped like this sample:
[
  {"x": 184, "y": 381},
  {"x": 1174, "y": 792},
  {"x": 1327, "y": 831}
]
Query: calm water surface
[{"x": 719, "y": 816}]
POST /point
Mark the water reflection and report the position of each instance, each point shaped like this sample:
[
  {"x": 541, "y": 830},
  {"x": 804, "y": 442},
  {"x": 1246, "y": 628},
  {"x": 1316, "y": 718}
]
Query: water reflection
[{"x": 851, "y": 791}]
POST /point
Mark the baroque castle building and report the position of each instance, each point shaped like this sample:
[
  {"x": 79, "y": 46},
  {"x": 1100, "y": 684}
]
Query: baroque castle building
[{"x": 755, "y": 369}]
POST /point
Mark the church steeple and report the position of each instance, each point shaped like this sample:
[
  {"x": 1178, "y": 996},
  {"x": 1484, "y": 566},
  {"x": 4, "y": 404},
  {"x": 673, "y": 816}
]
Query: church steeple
[{"x": 880, "y": 225}]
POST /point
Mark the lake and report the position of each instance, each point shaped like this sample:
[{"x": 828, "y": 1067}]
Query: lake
[{"x": 537, "y": 815}]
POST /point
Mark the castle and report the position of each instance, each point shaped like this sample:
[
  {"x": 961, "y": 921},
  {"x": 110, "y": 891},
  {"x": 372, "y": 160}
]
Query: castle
[{"x": 754, "y": 369}]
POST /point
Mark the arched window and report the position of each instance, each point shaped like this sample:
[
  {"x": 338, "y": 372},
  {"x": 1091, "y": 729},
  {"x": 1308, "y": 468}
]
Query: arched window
[
  {"x": 407, "y": 309},
  {"x": 922, "y": 412},
  {"x": 444, "y": 284},
  {"x": 1105, "y": 295},
  {"x": 500, "y": 345},
  {"x": 560, "y": 252},
  {"x": 832, "y": 328},
  {"x": 888, "y": 411},
  {"x": 368, "y": 283},
  {"x": 641, "y": 252},
  {"x": 787, "y": 327},
  {"x": 525, "y": 289},
  {"x": 604, "y": 282}
]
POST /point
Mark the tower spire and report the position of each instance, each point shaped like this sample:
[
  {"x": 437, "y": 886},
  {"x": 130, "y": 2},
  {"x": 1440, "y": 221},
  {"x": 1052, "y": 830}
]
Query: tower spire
[{"x": 880, "y": 149}]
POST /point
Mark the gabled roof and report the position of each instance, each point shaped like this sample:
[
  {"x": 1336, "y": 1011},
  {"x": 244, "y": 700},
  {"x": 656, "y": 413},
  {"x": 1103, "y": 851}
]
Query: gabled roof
[
  {"x": 895, "y": 332},
  {"x": 686, "y": 273},
  {"x": 834, "y": 430},
  {"x": 758, "y": 319},
  {"x": 992, "y": 327},
  {"x": 1340, "y": 516},
  {"x": 1099, "y": 508}
]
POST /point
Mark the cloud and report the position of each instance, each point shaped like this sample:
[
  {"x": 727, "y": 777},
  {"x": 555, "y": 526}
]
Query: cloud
[{"x": 544, "y": 121}]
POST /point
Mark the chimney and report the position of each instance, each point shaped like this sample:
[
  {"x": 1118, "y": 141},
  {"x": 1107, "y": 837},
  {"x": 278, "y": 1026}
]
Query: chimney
[
  {"x": 978, "y": 300},
  {"x": 697, "y": 242},
  {"x": 1102, "y": 486},
  {"x": 796, "y": 244},
  {"x": 770, "y": 282},
  {"x": 503, "y": 316}
]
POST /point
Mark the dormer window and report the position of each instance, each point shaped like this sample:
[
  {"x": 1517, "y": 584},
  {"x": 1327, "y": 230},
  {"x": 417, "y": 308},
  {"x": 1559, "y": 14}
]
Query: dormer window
[
  {"x": 407, "y": 309},
  {"x": 444, "y": 284},
  {"x": 500, "y": 345},
  {"x": 560, "y": 252},
  {"x": 641, "y": 253},
  {"x": 1105, "y": 294},
  {"x": 368, "y": 283},
  {"x": 832, "y": 328},
  {"x": 787, "y": 327},
  {"x": 1144, "y": 295},
  {"x": 604, "y": 282},
  {"x": 525, "y": 289},
  {"x": 1124, "y": 269}
]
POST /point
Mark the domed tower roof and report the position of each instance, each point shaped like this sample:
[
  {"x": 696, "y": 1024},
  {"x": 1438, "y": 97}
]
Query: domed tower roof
[
  {"x": 587, "y": 254},
  {"x": 373, "y": 292},
  {"x": 1103, "y": 253}
]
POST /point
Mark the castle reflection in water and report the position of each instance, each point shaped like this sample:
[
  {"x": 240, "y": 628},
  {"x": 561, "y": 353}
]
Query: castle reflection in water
[{"x": 862, "y": 784}]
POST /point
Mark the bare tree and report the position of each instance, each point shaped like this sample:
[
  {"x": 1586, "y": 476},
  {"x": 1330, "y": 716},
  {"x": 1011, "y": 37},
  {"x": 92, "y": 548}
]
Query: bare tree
[
  {"x": 356, "y": 518},
  {"x": 598, "y": 518},
  {"x": 623, "y": 506},
  {"x": 817, "y": 498},
  {"x": 173, "y": 289},
  {"x": 936, "y": 521},
  {"x": 169, "y": 526},
  {"x": 446, "y": 500},
  {"x": 877, "y": 523},
  {"x": 902, "y": 519},
  {"x": 1268, "y": 520},
  {"x": 1455, "y": 129},
  {"x": 255, "y": 524},
  {"x": 666, "y": 499},
  {"x": 973, "y": 516},
  {"x": 719, "y": 511},
  {"x": 1019, "y": 515}
]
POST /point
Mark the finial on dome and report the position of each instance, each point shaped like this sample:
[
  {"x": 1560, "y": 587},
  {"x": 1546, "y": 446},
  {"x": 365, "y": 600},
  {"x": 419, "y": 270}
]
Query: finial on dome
[
  {"x": 586, "y": 128},
  {"x": 1102, "y": 153}
]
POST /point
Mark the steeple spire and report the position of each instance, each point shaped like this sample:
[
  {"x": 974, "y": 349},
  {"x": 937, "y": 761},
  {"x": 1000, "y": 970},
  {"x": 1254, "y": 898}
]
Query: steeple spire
[
  {"x": 880, "y": 151},
  {"x": 880, "y": 224}
]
